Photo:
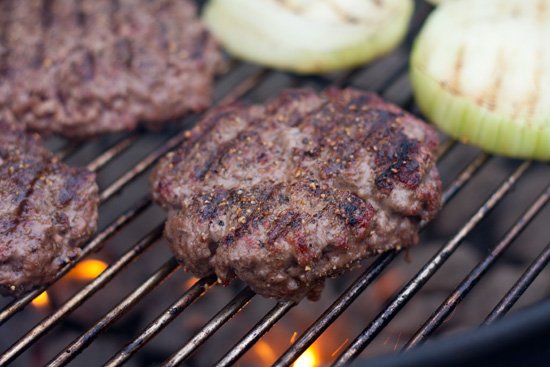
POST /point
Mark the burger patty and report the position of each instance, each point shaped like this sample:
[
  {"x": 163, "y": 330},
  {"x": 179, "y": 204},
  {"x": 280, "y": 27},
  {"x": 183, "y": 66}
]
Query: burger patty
[
  {"x": 47, "y": 209},
  {"x": 85, "y": 67},
  {"x": 286, "y": 194}
]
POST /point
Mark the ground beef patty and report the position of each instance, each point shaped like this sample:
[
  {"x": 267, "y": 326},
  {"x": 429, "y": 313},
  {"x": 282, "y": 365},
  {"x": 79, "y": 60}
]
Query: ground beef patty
[
  {"x": 84, "y": 67},
  {"x": 286, "y": 194},
  {"x": 47, "y": 209}
]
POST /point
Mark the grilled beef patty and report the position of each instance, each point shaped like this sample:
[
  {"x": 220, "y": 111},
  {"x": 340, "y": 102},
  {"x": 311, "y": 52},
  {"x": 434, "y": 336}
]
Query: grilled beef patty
[
  {"x": 285, "y": 195},
  {"x": 85, "y": 67},
  {"x": 47, "y": 209}
]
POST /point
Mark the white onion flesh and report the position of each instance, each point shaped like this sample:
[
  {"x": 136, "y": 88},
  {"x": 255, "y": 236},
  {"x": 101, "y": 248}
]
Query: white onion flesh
[
  {"x": 481, "y": 72},
  {"x": 308, "y": 36}
]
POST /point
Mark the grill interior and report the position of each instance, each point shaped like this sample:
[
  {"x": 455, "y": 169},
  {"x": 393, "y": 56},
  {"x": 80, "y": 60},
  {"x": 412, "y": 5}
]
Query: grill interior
[{"x": 115, "y": 318}]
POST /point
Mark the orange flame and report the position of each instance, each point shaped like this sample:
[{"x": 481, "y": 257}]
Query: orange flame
[
  {"x": 335, "y": 353},
  {"x": 41, "y": 301},
  {"x": 308, "y": 359},
  {"x": 293, "y": 337},
  {"x": 388, "y": 284},
  {"x": 265, "y": 352},
  {"x": 87, "y": 269},
  {"x": 191, "y": 282}
]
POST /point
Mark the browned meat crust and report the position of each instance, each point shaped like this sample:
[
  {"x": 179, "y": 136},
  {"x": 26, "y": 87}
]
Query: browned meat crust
[
  {"x": 81, "y": 68},
  {"x": 285, "y": 195},
  {"x": 47, "y": 210}
]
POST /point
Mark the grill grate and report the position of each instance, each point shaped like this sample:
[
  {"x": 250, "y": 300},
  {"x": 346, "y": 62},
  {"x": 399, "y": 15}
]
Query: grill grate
[{"x": 386, "y": 77}]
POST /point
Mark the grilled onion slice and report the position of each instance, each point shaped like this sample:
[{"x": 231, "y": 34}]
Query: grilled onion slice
[
  {"x": 481, "y": 71},
  {"x": 308, "y": 36}
]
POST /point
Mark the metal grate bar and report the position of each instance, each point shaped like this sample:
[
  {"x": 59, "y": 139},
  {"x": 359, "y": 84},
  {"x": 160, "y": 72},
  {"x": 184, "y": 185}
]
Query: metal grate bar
[
  {"x": 471, "y": 280},
  {"x": 427, "y": 271},
  {"x": 149, "y": 160},
  {"x": 67, "y": 150},
  {"x": 190, "y": 296},
  {"x": 336, "y": 309},
  {"x": 445, "y": 147},
  {"x": 210, "y": 328},
  {"x": 47, "y": 323},
  {"x": 464, "y": 177},
  {"x": 520, "y": 286},
  {"x": 91, "y": 247},
  {"x": 114, "y": 151},
  {"x": 349, "y": 296},
  {"x": 262, "y": 327},
  {"x": 130, "y": 300}
]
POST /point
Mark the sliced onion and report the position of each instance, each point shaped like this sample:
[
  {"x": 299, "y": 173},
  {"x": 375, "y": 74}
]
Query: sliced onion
[
  {"x": 308, "y": 36},
  {"x": 481, "y": 71}
]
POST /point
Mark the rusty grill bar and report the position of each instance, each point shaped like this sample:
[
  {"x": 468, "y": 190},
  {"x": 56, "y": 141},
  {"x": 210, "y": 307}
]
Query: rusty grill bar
[{"x": 382, "y": 83}]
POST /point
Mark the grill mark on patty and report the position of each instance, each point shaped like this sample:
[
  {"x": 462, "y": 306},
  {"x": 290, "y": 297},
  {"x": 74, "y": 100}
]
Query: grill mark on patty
[
  {"x": 5, "y": 20},
  {"x": 394, "y": 151},
  {"x": 69, "y": 188},
  {"x": 345, "y": 145},
  {"x": 218, "y": 154},
  {"x": 257, "y": 213},
  {"x": 198, "y": 49},
  {"x": 214, "y": 160},
  {"x": 85, "y": 67},
  {"x": 282, "y": 225},
  {"x": 297, "y": 118},
  {"x": 350, "y": 211},
  {"x": 80, "y": 16},
  {"x": 124, "y": 52},
  {"x": 114, "y": 7},
  {"x": 397, "y": 162},
  {"x": 23, "y": 199},
  {"x": 46, "y": 21},
  {"x": 162, "y": 30},
  {"x": 206, "y": 126},
  {"x": 211, "y": 203},
  {"x": 46, "y": 15},
  {"x": 292, "y": 220},
  {"x": 39, "y": 56},
  {"x": 123, "y": 46}
]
